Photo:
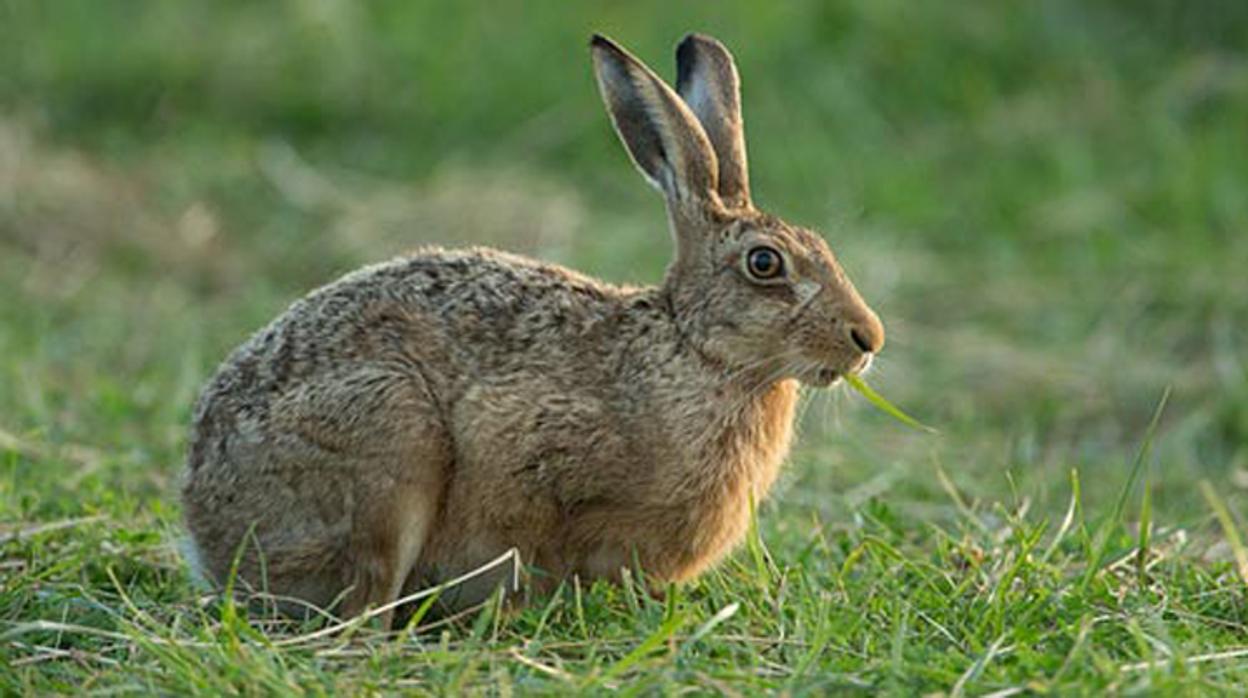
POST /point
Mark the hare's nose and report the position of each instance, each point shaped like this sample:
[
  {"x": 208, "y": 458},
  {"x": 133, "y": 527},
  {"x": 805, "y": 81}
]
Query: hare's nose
[{"x": 867, "y": 334}]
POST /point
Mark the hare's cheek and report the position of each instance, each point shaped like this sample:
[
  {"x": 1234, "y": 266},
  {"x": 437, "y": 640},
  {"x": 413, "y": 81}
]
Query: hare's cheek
[{"x": 814, "y": 339}]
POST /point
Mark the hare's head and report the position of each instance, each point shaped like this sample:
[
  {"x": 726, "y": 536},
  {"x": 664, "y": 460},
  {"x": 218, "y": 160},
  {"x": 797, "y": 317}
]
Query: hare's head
[{"x": 747, "y": 288}]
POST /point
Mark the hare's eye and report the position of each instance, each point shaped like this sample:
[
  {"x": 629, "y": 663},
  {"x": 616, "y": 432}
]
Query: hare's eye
[{"x": 764, "y": 263}]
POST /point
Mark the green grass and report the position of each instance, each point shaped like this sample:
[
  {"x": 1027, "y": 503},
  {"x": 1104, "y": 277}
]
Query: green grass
[{"x": 1046, "y": 202}]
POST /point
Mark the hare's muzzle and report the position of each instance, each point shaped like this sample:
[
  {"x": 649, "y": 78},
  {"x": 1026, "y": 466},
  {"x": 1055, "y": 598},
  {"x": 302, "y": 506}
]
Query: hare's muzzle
[{"x": 866, "y": 333}]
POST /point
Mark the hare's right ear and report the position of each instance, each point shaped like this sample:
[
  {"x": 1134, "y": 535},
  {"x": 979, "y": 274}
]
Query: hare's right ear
[
  {"x": 706, "y": 79},
  {"x": 663, "y": 137}
]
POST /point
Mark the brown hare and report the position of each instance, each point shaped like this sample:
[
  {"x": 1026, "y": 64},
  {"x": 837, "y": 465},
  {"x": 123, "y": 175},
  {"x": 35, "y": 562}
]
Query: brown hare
[{"x": 418, "y": 417}]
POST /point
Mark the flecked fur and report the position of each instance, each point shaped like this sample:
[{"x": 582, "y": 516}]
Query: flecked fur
[{"x": 418, "y": 417}]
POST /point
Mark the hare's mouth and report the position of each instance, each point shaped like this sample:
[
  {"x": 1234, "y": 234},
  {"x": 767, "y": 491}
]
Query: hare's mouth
[{"x": 824, "y": 377}]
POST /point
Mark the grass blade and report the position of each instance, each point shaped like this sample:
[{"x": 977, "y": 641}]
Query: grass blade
[
  {"x": 1067, "y": 521},
  {"x": 1101, "y": 539},
  {"x": 859, "y": 385},
  {"x": 705, "y": 629},
  {"x": 1145, "y": 534},
  {"x": 1229, "y": 529},
  {"x": 650, "y": 644}
]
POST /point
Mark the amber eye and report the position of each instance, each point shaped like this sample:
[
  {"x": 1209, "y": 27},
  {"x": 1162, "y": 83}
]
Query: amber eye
[{"x": 764, "y": 263}]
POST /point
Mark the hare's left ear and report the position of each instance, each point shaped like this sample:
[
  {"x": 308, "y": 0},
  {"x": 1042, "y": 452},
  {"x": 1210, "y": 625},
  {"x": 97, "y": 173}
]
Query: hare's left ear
[
  {"x": 706, "y": 78},
  {"x": 660, "y": 133}
]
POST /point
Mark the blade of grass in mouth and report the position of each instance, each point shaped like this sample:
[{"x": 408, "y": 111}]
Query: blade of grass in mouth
[{"x": 858, "y": 384}]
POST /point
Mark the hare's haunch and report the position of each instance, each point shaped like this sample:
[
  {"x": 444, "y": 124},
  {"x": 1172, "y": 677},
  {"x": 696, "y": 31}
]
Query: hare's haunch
[{"x": 416, "y": 418}]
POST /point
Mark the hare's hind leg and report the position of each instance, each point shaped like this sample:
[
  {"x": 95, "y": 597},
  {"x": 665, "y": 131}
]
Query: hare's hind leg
[
  {"x": 379, "y": 447},
  {"x": 386, "y": 541}
]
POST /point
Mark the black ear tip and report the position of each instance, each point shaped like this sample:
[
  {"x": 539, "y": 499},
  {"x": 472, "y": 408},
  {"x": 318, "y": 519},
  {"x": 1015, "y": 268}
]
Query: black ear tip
[
  {"x": 600, "y": 41},
  {"x": 693, "y": 39},
  {"x": 686, "y": 48}
]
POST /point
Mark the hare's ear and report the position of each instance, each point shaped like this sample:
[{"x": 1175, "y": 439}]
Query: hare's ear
[
  {"x": 706, "y": 78},
  {"x": 661, "y": 134}
]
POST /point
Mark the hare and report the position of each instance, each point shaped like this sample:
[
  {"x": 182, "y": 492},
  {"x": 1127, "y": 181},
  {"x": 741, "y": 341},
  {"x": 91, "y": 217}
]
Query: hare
[{"x": 418, "y": 417}]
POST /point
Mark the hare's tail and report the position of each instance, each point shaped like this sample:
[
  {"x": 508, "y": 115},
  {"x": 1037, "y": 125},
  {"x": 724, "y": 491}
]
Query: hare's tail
[{"x": 194, "y": 560}]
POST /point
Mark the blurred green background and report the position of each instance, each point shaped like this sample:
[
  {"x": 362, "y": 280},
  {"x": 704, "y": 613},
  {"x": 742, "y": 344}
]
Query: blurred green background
[{"x": 1047, "y": 203}]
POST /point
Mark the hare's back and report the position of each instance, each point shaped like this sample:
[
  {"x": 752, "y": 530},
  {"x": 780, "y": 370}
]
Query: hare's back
[
  {"x": 445, "y": 317},
  {"x": 476, "y": 311}
]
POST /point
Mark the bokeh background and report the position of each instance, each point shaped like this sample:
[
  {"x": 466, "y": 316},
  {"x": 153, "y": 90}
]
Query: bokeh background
[{"x": 1046, "y": 202}]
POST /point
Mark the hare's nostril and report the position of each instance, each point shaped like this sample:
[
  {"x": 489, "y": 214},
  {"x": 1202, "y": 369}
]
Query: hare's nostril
[{"x": 861, "y": 340}]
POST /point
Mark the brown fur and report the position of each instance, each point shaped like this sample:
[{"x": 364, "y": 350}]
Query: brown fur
[{"x": 417, "y": 418}]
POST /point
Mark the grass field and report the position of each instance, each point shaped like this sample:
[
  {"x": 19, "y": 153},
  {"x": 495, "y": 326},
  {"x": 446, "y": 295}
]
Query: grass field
[{"x": 1047, "y": 203}]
